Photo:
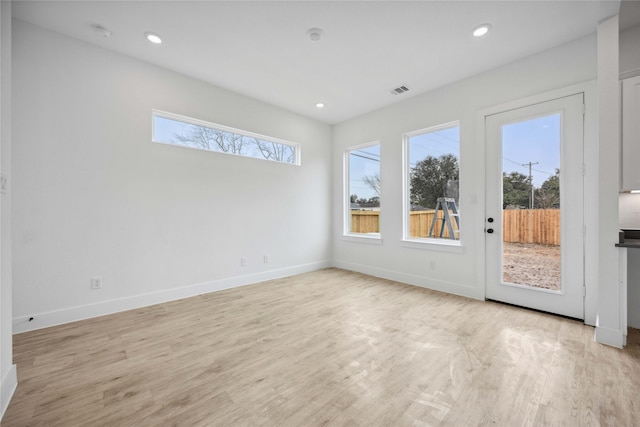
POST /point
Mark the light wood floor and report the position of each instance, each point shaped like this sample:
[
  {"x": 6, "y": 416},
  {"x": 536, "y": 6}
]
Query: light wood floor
[{"x": 324, "y": 348}]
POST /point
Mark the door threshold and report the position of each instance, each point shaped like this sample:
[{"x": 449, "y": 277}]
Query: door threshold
[{"x": 536, "y": 310}]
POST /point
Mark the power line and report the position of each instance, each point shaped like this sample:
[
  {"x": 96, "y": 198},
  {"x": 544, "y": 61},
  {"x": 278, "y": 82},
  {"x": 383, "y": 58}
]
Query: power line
[
  {"x": 371, "y": 154},
  {"x": 364, "y": 157},
  {"x": 545, "y": 172},
  {"x": 431, "y": 136},
  {"x": 526, "y": 164},
  {"x": 513, "y": 161}
]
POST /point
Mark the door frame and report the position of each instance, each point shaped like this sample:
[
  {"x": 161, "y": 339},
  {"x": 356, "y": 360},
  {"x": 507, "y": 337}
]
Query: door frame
[{"x": 591, "y": 256}]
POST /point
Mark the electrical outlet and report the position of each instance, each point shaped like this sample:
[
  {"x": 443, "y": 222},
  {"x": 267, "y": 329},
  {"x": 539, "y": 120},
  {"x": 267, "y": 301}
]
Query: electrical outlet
[
  {"x": 96, "y": 283},
  {"x": 243, "y": 262},
  {"x": 432, "y": 265},
  {"x": 266, "y": 259}
]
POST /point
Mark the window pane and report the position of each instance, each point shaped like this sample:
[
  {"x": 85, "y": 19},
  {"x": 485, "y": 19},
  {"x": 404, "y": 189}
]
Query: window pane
[
  {"x": 364, "y": 190},
  {"x": 208, "y": 136},
  {"x": 433, "y": 184},
  {"x": 531, "y": 202}
]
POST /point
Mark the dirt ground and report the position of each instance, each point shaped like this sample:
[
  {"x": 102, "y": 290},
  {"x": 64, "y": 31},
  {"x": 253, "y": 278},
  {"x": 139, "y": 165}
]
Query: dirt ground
[{"x": 532, "y": 264}]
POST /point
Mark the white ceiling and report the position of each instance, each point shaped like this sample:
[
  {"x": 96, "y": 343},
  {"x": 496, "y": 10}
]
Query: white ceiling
[{"x": 261, "y": 49}]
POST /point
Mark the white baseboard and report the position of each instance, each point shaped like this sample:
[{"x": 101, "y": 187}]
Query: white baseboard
[
  {"x": 411, "y": 279},
  {"x": 612, "y": 337},
  {"x": 72, "y": 314},
  {"x": 8, "y": 387}
]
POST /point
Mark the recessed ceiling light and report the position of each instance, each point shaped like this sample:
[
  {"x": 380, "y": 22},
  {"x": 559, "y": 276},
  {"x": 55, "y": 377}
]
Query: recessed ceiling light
[
  {"x": 153, "y": 38},
  {"x": 481, "y": 30},
  {"x": 315, "y": 34},
  {"x": 319, "y": 104}
]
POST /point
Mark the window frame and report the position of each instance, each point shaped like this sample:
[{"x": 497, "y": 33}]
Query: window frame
[
  {"x": 373, "y": 238},
  {"x": 445, "y": 245},
  {"x": 210, "y": 125}
]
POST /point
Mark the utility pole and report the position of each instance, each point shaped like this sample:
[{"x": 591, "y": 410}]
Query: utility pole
[{"x": 530, "y": 182}]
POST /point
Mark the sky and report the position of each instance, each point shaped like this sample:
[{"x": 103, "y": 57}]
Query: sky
[
  {"x": 536, "y": 141},
  {"x": 435, "y": 143},
  {"x": 164, "y": 129},
  {"x": 363, "y": 162}
]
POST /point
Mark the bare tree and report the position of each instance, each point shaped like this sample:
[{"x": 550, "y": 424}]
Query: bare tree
[
  {"x": 228, "y": 142},
  {"x": 234, "y": 143},
  {"x": 212, "y": 139},
  {"x": 275, "y": 151},
  {"x": 373, "y": 182}
]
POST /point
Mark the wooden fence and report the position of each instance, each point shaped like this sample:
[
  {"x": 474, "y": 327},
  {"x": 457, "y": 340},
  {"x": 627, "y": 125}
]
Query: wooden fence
[
  {"x": 519, "y": 225},
  {"x": 419, "y": 222},
  {"x": 531, "y": 226},
  {"x": 365, "y": 221}
]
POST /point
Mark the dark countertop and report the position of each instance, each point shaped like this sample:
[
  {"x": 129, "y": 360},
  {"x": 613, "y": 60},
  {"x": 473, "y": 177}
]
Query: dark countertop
[
  {"x": 629, "y": 243},
  {"x": 629, "y": 239}
]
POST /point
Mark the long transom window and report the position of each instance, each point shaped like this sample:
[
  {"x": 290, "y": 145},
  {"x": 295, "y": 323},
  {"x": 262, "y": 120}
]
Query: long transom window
[{"x": 184, "y": 131}]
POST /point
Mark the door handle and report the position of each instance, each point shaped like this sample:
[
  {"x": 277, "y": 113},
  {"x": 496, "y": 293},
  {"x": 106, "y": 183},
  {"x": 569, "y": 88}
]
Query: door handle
[{"x": 490, "y": 230}]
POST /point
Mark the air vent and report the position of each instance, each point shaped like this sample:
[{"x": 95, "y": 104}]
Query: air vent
[{"x": 399, "y": 90}]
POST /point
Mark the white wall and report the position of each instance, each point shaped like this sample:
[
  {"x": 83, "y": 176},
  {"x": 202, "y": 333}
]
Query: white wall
[
  {"x": 456, "y": 273},
  {"x": 609, "y": 328},
  {"x": 93, "y": 196},
  {"x": 8, "y": 375},
  {"x": 629, "y": 210}
]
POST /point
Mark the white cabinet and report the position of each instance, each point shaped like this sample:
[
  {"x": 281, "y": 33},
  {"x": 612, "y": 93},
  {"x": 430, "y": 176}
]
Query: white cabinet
[{"x": 630, "y": 134}]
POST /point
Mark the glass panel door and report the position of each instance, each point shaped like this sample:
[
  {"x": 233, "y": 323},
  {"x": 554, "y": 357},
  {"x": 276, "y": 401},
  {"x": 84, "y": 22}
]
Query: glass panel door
[{"x": 534, "y": 206}]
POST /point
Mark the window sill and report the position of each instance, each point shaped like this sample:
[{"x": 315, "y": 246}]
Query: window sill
[
  {"x": 442, "y": 245},
  {"x": 369, "y": 238}
]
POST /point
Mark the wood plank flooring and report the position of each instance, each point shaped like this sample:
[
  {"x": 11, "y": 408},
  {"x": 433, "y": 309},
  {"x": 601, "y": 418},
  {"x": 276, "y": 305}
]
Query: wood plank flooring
[{"x": 326, "y": 348}]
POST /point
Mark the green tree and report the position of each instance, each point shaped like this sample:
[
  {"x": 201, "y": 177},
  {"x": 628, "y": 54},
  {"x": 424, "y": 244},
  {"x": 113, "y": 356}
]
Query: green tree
[
  {"x": 548, "y": 195},
  {"x": 432, "y": 178},
  {"x": 515, "y": 190},
  {"x": 372, "y": 202}
]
